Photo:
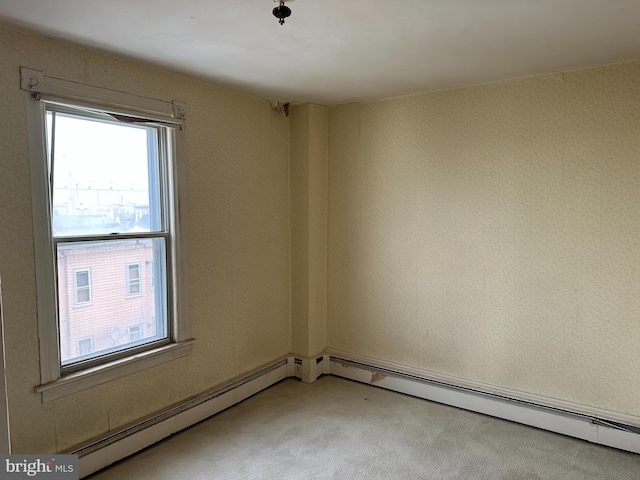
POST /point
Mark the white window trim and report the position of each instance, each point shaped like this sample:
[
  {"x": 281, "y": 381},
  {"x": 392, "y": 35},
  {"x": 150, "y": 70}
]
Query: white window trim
[
  {"x": 134, "y": 281},
  {"x": 53, "y": 385},
  {"x": 130, "y": 330},
  {"x": 75, "y": 288},
  {"x": 84, "y": 339}
]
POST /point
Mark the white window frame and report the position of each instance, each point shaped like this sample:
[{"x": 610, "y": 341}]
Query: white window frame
[
  {"x": 138, "y": 332},
  {"x": 84, "y": 340},
  {"x": 76, "y": 303},
  {"x": 134, "y": 281},
  {"x": 40, "y": 88}
]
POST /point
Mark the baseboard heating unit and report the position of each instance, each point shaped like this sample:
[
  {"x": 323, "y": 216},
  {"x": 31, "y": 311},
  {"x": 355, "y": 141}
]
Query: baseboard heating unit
[
  {"x": 594, "y": 425},
  {"x": 119, "y": 444},
  {"x": 591, "y": 424}
]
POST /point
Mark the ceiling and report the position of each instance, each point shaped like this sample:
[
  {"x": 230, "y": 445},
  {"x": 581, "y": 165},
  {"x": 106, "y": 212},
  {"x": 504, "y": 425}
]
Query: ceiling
[{"x": 341, "y": 51}]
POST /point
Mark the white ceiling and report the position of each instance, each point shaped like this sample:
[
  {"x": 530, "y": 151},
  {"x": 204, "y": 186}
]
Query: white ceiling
[{"x": 340, "y": 51}]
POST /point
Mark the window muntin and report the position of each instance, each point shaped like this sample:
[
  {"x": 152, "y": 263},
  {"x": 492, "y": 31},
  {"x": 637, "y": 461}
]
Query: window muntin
[{"x": 109, "y": 200}]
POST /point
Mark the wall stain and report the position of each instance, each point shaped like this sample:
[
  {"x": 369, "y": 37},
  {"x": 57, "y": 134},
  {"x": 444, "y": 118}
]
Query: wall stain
[{"x": 376, "y": 377}]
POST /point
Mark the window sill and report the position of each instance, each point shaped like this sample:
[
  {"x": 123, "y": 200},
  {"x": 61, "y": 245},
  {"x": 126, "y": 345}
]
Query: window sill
[{"x": 91, "y": 377}]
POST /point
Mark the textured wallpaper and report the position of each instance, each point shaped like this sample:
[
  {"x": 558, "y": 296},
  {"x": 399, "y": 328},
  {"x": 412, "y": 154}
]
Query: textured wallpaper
[
  {"x": 493, "y": 233},
  {"x": 488, "y": 232},
  {"x": 237, "y": 181}
]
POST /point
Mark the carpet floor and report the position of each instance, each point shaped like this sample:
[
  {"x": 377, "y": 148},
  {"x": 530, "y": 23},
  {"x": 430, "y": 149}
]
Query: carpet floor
[{"x": 339, "y": 429}]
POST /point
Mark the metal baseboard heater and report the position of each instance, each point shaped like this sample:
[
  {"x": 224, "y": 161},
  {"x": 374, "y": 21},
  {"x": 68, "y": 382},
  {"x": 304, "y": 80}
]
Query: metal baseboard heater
[
  {"x": 594, "y": 425},
  {"x": 502, "y": 398},
  {"x": 597, "y": 426},
  {"x": 173, "y": 411}
]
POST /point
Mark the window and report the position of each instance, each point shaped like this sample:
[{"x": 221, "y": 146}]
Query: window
[
  {"x": 82, "y": 287},
  {"x": 135, "y": 333},
  {"x": 85, "y": 346},
  {"x": 108, "y": 190},
  {"x": 124, "y": 163},
  {"x": 133, "y": 280}
]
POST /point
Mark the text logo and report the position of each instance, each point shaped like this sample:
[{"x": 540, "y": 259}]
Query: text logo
[{"x": 50, "y": 467}]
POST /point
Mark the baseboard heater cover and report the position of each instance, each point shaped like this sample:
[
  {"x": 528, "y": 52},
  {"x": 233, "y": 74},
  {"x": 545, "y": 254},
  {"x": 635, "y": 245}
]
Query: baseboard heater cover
[
  {"x": 580, "y": 425},
  {"x": 604, "y": 428},
  {"x": 122, "y": 443}
]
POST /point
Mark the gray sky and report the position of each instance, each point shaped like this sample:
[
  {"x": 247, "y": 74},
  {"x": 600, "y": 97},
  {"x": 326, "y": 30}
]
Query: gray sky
[{"x": 97, "y": 153}]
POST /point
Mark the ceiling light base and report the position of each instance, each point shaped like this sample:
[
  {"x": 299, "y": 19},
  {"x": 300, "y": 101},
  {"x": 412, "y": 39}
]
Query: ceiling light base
[{"x": 281, "y": 11}]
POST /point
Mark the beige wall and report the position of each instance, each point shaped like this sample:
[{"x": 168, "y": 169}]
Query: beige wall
[
  {"x": 237, "y": 181},
  {"x": 493, "y": 233},
  {"x": 488, "y": 232},
  {"x": 309, "y": 156},
  {"x": 318, "y": 193}
]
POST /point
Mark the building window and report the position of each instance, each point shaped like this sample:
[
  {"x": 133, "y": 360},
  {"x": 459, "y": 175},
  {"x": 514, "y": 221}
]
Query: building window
[
  {"x": 85, "y": 346},
  {"x": 135, "y": 333},
  {"x": 108, "y": 189},
  {"x": 82, "y": 287},
  {"x": 133, "y": 280}
]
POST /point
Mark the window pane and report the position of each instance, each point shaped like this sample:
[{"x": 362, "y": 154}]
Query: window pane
[
  {"x": 112, "y": 314},
  {"x": 134, "y": 333},
  {"x": 83, "y": 296},
  {"x": 85, "y": 346},
  {"x": 82, "y": 279},
  {"x": 134, "y": 272},
  {"x": 102, "y": 172}
]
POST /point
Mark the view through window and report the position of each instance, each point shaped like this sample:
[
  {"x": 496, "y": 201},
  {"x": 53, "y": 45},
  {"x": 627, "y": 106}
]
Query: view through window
[{"x": 110, "y": 233}]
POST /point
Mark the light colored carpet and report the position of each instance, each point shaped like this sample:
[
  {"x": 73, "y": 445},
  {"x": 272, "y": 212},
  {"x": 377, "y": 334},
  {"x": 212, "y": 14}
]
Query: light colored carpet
[{"x": 335, "y": 428}]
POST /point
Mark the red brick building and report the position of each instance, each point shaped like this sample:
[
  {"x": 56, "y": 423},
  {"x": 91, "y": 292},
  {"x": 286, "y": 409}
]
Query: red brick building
[{"x": 106, "y": 296}]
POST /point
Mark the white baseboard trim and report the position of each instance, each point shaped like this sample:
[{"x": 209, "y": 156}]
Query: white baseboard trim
[
  {"x": 603, "y": 427},
  {"x": 121, "y": 444},
  {"x": 593, "y": 425}
]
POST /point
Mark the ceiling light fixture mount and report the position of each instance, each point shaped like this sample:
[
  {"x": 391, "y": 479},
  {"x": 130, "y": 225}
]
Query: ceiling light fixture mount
[{"x": 281, "y": 11}]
